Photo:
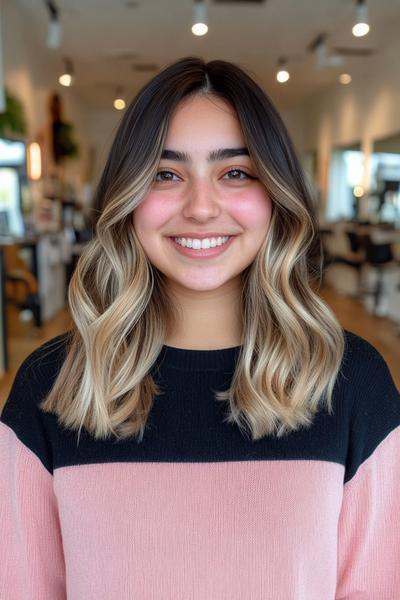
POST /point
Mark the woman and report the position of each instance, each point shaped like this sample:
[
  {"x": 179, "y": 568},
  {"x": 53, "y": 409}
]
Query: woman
[{"x": 206, "y": 430}]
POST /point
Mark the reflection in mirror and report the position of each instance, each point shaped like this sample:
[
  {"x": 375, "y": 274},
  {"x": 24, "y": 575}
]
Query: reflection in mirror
[
  {"x": 309, "y": 164},
  {"x": 12, "y": 179},
  {"x": 346, "y": 171},
  {"x": 384, "y": 200}
]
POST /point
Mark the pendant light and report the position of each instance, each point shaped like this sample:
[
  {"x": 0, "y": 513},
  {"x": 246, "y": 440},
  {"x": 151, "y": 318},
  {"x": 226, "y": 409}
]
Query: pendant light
[
  {"x": 199, "y": 26},
  {"x": 361, "y": 26},
  {"x": 282, "y": 74},
  {"x": 67, "y": 76},
  {"x": 54, "y": 26},
  {"x": 119, "y": 101}
]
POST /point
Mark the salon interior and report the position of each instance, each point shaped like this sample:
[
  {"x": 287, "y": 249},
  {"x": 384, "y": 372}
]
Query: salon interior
[{"x": 69, "y": 68}]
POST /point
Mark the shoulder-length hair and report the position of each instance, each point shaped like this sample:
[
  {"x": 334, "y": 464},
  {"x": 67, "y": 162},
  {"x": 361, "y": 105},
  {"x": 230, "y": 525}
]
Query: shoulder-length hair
[{"x": 292, "y": 344}]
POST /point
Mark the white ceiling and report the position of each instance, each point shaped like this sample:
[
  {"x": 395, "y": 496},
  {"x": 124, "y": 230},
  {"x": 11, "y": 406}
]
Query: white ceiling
[{"x": 104, "y": 38}]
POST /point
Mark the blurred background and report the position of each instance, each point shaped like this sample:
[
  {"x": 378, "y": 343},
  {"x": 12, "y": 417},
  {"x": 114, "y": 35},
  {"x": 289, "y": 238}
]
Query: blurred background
[{"x": 68, "y": 69}]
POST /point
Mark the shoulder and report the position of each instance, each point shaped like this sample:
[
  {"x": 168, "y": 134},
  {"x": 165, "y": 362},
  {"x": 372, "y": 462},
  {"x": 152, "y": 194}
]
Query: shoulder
[
  {"x": 40, "y": 367},
  {"x": 34, "y": 379},
  {"x": 356, "y": 344},
  {"x": 373, "y": 398},
  {"x": 364, "y": 368},
  {"x": 33, "y": 428},
  {"x": 21, "y": 413}
]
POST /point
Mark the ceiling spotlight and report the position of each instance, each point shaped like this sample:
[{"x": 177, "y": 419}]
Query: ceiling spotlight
[
  {"x": 282, "y": 74},
  {"x": 54, "y": 26},
  {"x": 119, "y": 102},
  {"x": 68, "y": 74},
  {"x": 54, "y": 34},
  {"x": 323, "y": 58},
  {"x": 199, "y": 26},
  {"x": 361, "y": 26},
  {"x": 345, "y": 78}
]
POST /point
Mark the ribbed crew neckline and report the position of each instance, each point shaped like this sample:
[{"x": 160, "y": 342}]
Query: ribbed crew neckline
[{"x": 198, "y": 360}]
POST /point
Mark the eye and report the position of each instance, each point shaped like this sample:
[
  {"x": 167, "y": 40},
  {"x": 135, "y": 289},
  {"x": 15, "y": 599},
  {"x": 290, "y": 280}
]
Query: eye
[
  {"x": 168, "y": 176},
  {"x": 238, "y": 173}
]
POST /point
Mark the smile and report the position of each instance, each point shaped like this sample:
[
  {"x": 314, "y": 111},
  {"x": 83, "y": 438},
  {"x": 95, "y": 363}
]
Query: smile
[
  {"x": 197, "y": 244},
  {"x": 206, "y": 248}
]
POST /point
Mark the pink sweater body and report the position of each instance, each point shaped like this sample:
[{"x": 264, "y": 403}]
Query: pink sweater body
[{"x": 178, "y": 520}]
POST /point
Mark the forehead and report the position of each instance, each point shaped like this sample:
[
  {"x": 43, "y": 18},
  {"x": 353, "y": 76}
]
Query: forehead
[{"x": 203, "y": 117}]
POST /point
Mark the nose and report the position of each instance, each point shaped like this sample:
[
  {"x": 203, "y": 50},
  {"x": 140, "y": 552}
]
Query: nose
[{"x": 201, "y": 202}]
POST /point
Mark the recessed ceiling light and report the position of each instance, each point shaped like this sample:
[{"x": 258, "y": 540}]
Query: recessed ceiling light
[
  {"x": 282, "y": 76},
  {"x": 119, "y": 103},
  {"x": 345, "y": 78}
]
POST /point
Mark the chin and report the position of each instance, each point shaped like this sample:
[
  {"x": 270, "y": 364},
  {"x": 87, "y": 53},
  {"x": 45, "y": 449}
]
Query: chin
[{"x": 202, "y": 286}]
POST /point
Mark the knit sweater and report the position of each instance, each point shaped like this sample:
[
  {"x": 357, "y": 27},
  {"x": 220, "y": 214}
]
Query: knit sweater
[{"x": 197, "y": 510}]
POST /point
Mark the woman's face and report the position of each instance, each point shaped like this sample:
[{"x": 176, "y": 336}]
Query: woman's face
[{"x": 197, "y": 195}]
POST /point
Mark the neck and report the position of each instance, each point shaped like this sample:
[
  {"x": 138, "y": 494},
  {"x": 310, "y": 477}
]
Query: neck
[{"x": 208, "y": 320}]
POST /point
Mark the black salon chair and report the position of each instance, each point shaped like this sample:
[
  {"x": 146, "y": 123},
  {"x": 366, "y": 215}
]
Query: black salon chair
[
  {"x": 356, "y": 256},
  {"x": 379, "y": 257}
]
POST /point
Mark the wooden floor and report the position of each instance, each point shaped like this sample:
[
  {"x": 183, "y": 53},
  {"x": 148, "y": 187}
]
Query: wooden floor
[{"x": 381, "y": 332}]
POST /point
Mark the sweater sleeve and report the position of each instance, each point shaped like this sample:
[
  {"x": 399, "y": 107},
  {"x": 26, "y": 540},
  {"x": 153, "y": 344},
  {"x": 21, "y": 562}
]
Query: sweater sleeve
[
  {"x": 369, "y": 523},
  {"x": 31, "y": 553}
]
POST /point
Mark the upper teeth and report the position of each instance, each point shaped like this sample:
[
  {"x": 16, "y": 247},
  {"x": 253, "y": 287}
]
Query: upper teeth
[{"x": 205, "y": 243}]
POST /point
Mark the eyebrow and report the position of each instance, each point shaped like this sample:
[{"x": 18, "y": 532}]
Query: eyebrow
[{"x": 214, "y": 155}]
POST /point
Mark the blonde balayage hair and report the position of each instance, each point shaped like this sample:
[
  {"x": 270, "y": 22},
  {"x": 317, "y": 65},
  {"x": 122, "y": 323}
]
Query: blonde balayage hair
[{"x": 292, "y": 344}]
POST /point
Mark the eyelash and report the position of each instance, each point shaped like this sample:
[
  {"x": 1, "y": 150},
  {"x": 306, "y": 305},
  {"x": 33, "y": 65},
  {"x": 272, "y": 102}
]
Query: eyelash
[{"x": 230, "y": 171}]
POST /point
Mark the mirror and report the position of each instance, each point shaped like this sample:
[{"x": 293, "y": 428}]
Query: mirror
[
  {"x": 345, "y": 177},
  {"x": 384, "y": 199},
  {"x": 13, "y": 177}
]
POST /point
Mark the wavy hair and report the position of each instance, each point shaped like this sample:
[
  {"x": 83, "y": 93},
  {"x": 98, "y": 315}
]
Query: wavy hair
[{"x": 292, "y": 344}]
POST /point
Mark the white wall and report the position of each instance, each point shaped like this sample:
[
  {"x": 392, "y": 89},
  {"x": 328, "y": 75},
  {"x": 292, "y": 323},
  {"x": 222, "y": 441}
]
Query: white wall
[
  {"x": 294, "y": 121},
  {"x": 102, "y": 127}
]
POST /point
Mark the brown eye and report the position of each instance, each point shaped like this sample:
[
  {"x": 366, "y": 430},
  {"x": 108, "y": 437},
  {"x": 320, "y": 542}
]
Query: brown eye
[
  {"x": 166, "y": 176},
  {"x": 238, "y": 173}
]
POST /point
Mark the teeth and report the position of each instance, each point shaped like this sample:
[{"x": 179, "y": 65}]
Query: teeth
[{"x": 201, "y": 244}]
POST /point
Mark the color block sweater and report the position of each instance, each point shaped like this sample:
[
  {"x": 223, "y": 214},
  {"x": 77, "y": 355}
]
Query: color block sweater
[{"x": 197, "y": 511}]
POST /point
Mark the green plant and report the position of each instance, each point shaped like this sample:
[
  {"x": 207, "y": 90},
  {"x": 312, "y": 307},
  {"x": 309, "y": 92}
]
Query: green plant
[{"x": 13, "y": 119}]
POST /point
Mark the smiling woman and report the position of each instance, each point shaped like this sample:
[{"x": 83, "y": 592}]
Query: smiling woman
[
  {"x": 136, "y": 290},
  {"x": 233, "y": 442}
]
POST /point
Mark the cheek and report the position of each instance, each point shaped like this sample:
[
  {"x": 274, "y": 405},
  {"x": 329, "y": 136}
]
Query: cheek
[
  {"x": 253, "y": 210},
  {"x": 151, "y": 214}
]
